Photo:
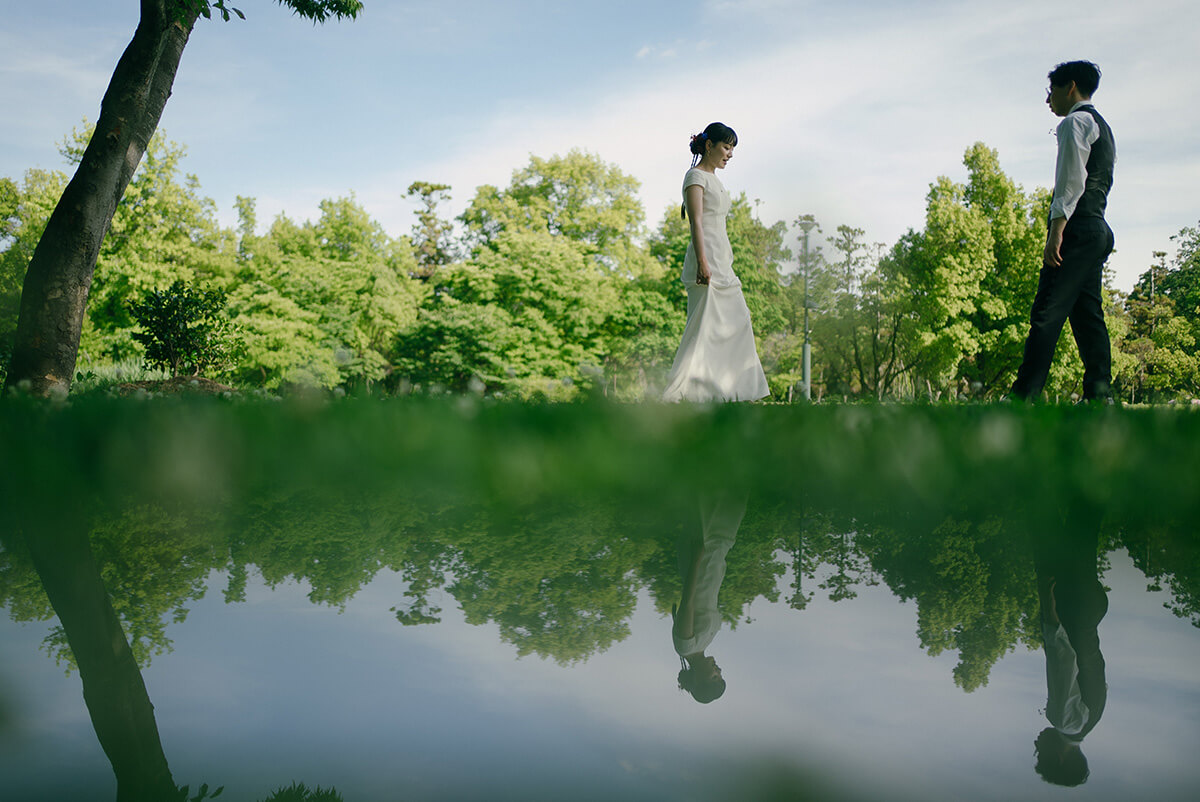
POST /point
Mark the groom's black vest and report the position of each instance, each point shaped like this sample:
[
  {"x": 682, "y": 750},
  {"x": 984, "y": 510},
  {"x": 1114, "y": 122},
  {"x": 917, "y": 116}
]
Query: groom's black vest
[{"x": 1099, "y": 171}]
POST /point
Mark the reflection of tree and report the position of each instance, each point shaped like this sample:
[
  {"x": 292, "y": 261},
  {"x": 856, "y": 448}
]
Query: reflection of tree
[
  {"x": 822, "y": 544},
  {"x": 559, "y": 582},
  {"x": 333, "y": 505},
  {"x": 971, "y": 578},
  {"x": 1168, "y": 554},
  {"x": 973, "y": 585},
  {"x": 335, "y": 539},
  {"x": 153, "y": 564},
  {"x": 113, "y": 690},
  {"x": 848, "y": 565}
]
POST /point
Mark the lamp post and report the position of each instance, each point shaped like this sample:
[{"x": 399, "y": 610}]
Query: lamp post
[
  {"x": 1161, "y": 256},
  {"x": 807, "y": 223}
]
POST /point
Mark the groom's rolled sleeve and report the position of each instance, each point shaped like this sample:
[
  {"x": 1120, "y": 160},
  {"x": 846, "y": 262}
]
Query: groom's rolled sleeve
[{"x": 1075, "y": 133}]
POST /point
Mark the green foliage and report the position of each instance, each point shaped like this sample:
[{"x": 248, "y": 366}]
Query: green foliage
[
  {"x": 1162, "y": 337},
  {"x": 24, "y": 211},
  {"x": 1182, "y": 282},
  {"x": 299, "y": 792},
  {"x": 523, "y": 315},
  {"x": 555, "y": 288},
  {"x": 284, "y": 343},
  {"x": 1169, "y": 556},
  {"x": 626, "y": 303},
  {"x": 316, "y": 10},
  {"x": 202, "y": 793},
  {"x": 642, "y": 333},
  {"x": 184, "y": 330},
  {"x": 12, "y": 273},
  {"x": 432, "y": 243},
  {"x": 974, "y": 587},
  {"x": 577, "y": 196},
  {"x": 944, "y": 266},
  {"x": 190, "y": 9},
  {"x": 163, "y": 231},
  {"x": 971, "y": 275},
  {"x": 555, "y": 581},
  {"x": 759, "y": 257},
  {"x": 9, "y": 200},
  {"x": 321, "y": 303},
  {"x": 860, "y": 325}
]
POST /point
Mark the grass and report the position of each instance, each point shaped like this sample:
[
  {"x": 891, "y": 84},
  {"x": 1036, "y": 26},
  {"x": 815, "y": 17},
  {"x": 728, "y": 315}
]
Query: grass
[{"x": 1140, "y": 463}]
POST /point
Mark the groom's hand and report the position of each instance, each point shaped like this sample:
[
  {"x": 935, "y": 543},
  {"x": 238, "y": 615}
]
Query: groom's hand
[{"x": 1052, "y": 255}]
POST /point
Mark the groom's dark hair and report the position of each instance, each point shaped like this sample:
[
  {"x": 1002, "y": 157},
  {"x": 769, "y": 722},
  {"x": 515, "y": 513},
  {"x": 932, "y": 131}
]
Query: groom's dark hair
[
  {"x": 1085, "y": 74},
  {"x": 1059, "y": 760}
]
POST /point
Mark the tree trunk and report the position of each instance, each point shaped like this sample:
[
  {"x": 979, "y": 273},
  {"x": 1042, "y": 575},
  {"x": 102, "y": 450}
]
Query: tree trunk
[
  {"x": 56, "y": 287},
  {"x": 113, "y": 689}
]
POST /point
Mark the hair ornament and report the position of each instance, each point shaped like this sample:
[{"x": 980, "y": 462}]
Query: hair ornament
[{"x": 700, "y": 137}]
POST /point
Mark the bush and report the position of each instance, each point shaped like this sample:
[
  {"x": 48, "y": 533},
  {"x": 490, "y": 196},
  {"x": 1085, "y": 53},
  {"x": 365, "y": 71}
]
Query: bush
[{"x": 185, "y": 330}]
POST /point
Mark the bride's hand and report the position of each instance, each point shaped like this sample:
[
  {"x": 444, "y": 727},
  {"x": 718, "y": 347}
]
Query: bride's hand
[{"x": 703, "y": 274}]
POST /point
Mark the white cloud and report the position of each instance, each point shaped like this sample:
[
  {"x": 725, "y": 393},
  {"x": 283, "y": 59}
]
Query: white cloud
[
  {"x": 854, "y": 125},
  {"x": 844, "y": 111}
]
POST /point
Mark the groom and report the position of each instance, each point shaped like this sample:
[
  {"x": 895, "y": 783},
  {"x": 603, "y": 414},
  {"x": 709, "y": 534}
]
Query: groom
[{"x": 1078, "y": 240}]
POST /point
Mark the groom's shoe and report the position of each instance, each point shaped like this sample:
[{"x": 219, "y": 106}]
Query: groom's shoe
[
  {"x": 1098, "y": 401},
  {"x": 1101, "y": 395}
]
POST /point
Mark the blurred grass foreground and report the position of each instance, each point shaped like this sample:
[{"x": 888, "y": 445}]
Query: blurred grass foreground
[{"x": 1138, "y": 466}]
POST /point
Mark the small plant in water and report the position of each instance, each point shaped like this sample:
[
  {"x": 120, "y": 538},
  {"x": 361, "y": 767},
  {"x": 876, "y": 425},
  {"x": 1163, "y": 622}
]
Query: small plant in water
[{"x": 298, "y": 792}]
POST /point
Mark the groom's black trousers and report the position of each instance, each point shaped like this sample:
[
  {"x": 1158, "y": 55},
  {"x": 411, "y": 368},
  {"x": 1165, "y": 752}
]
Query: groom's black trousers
[{"x": 1071, "y": 291}]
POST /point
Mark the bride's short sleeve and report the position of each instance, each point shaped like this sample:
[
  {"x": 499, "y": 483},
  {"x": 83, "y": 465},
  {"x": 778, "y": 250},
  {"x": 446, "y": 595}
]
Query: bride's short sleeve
[{"x": 694, "y": 177}]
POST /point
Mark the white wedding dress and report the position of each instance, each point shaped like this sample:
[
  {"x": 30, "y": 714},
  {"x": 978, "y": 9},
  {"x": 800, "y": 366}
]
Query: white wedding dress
[{"x": 717, "y": 359}]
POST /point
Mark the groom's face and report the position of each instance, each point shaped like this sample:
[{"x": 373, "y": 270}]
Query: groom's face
[{"x": 1058, "y": 98}]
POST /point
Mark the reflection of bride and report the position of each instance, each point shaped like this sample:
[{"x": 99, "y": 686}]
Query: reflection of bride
[{"x": 696, "y": 619}]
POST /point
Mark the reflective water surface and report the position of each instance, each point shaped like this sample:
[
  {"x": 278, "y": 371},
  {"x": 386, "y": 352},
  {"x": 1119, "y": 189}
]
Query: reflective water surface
[{"x": 457, "y": 601}]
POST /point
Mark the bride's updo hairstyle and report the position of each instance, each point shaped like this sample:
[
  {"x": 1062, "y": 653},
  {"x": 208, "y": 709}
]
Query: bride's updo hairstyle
[{"x": 715, "y": 133}]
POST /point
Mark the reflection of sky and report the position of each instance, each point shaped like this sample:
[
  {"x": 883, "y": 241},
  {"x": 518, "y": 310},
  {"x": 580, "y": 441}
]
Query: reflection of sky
[{"x": 258, "y": 694}]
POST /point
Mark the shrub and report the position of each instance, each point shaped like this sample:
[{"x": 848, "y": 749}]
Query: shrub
[{"x": 185, "y": 330}]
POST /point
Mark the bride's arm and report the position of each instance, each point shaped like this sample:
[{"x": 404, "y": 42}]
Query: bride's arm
[{"x": 695, "y": 210}]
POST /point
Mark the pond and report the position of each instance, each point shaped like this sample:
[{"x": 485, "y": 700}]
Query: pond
[{"x": 455, "y": 600}]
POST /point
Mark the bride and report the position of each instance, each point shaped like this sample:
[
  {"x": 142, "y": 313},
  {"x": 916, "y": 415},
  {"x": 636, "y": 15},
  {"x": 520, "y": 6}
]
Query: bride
[{"x": 716, "y": 360}]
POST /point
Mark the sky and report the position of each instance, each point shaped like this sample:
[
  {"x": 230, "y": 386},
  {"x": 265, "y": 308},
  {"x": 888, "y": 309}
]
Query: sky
[{"x": 847, "y": 111}]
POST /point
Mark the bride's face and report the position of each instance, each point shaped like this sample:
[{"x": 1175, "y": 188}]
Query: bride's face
[{"x": 719, "y": 154}]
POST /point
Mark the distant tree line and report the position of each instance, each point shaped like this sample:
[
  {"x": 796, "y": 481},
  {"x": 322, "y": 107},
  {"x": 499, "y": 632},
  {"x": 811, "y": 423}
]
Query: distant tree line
[{"x": 555, "y": 286}]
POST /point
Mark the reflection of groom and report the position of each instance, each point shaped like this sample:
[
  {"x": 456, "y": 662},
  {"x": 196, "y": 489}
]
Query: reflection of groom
[
  {"x": 1078, "y": 240},
  {"x": 1072, "y": 604}
]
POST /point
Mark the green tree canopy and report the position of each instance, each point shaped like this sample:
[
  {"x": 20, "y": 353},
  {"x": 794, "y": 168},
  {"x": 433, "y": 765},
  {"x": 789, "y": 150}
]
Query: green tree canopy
[
  {"x": 525, "y": 315},
  {"x": 578, "y": 196},
  {"x": 321, "y": 303},
  {"x": 60, "y": 273}
]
